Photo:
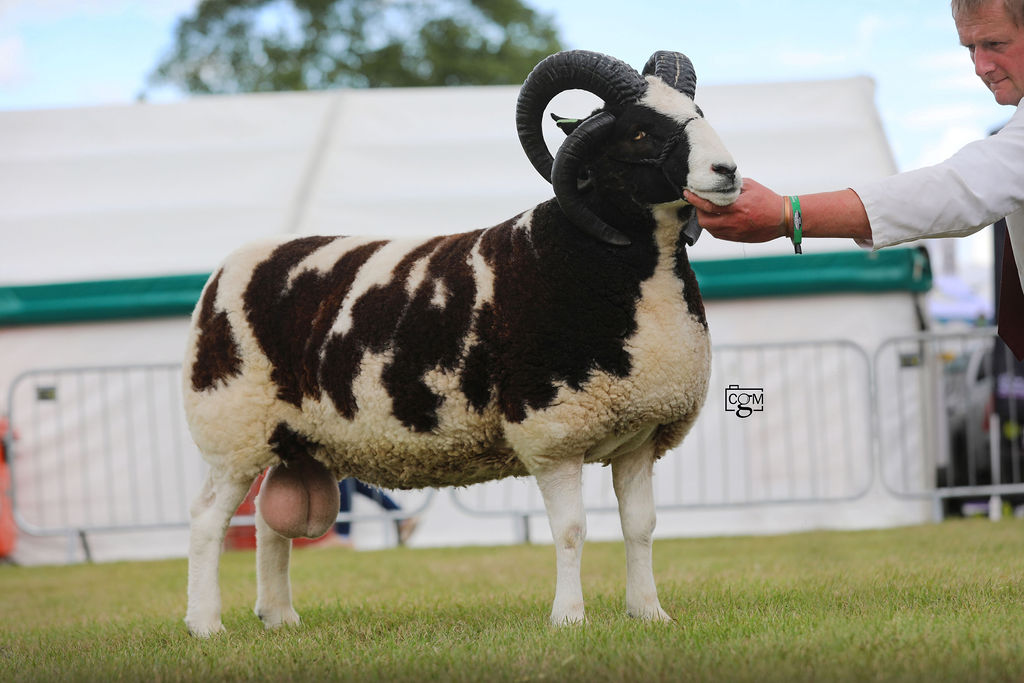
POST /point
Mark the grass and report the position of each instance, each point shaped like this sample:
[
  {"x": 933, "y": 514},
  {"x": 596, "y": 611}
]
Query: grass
[{"x": 931, "y": 603}]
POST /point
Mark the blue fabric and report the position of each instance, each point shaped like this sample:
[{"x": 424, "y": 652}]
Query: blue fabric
[{"x": 346, "y": 487}]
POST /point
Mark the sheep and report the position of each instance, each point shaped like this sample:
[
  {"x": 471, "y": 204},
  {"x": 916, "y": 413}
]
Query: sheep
[{"x": 572, "y": 333}]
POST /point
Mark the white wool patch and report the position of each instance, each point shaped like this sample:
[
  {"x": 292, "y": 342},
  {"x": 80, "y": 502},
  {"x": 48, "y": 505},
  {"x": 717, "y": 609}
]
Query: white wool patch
[
  {"x": 375, "y": 418},
  {"x": 231, "y": 424},
  {"x": 417, "y": 274},
  {"x": 620, "y": 444},
  {"x": 666, "y": 216},
  {"x": 323, "y": 259},
  {"x": 483, "y": 276},
  {"x": 440, "y": 297},
  {"x": 668, "y": 101},
  {"x": 525, "y": 224}
]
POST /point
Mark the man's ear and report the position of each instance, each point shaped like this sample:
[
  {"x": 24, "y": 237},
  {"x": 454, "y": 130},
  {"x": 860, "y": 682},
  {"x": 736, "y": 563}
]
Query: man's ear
[{"x": 567, "y": 125}]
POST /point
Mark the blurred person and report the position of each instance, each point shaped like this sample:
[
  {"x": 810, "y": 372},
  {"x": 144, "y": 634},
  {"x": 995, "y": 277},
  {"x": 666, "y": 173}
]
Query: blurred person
[
  {"x": 8, "y": 529},
  {"x": 977, "y": 186},
  {"x": 341, "y": 535}
]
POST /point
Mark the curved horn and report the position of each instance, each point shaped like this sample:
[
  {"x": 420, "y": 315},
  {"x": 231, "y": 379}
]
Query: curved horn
[
  {"x": 614, "y": 81},
  {"x": 564, "y": 178},
  {"x": 674, "y": 68}
]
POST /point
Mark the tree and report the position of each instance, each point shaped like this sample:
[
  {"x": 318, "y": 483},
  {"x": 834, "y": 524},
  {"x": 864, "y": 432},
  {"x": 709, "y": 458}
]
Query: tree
[{"x": 230, "y": 46}]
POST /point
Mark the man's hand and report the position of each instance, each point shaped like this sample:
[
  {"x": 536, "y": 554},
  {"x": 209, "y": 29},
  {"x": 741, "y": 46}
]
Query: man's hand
[{"x": 758, "y": 215}]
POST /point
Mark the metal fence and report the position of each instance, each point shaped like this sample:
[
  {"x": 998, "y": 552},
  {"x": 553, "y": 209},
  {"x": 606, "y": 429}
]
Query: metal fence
[
  {"x": 955, "y": 399},
  {"x": 104, "y": 449},
  {"x": 107, "y": 449},
  {"x": 783, "y": 423},
  {"x": 100, "y": 449}
]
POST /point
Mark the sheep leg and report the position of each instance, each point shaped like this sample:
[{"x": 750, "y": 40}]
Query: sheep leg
[
  {"x": 561, "y": 485},
  {"x": 211, "y": 512},
  {"x": 632, "y": 476},
  {"x": 273, "y": 587}
]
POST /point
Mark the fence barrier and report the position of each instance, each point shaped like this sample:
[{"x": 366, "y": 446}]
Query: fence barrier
[
  {"x": 107, "y": 449},
  {"x": 782, "y": 423},
  {"x": 956, "y": 399},
  {"x": 936, "y": 416}
]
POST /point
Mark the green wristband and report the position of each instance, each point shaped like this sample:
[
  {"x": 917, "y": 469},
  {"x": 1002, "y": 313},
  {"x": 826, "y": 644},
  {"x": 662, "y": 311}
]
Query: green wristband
[{"x": 798, "y": 224}]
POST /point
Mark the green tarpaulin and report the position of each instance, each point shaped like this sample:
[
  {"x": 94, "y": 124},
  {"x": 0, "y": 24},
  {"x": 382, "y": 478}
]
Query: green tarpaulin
[{"x": 175, "y": 295}]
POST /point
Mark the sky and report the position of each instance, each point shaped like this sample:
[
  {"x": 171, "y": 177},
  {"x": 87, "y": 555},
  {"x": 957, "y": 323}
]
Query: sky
[{"x": 77, "y": 53}]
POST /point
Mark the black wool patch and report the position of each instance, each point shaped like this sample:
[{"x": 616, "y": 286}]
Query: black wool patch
[
  {"x": 477, "y": 377},
  {"x": 292, "y": 322},
  {"x": 691, "y": 289},
  {"x": 375, "y": 317},
  {"x": 288, "y": 444},
  {"x": 217, "y": 356},
  {"x": 564, "y": 306},
  {"x": 431, "y": 330}
]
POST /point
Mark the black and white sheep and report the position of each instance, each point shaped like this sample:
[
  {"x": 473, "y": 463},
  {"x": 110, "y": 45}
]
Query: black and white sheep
[{"x": 569, "y": 334}]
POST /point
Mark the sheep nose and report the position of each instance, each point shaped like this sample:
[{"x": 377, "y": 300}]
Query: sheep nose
[{"x": 724, "y": 169}]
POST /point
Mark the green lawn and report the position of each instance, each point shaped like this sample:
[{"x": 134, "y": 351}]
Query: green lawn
[{"x": 931, "y": 603}]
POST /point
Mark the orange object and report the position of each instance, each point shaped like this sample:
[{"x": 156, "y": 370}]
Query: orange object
[
  {"x": 244, "y": 537},
  {"x": 8, "y": 529}
]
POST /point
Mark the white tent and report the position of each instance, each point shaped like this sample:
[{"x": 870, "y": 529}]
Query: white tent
[{"x": 151, "y": 190}]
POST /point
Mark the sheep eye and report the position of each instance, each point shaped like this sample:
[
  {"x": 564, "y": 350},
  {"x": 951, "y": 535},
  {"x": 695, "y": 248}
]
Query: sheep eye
[{"x": 640, "y": 135}]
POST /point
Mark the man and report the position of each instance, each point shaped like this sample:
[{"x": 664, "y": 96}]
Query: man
[{"x": 977, "y": 186}]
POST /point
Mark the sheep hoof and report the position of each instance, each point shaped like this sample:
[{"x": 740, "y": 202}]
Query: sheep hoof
[
  {"x": 569, "y": 617},
  {"x": 276, "y": 618},
  {"x": 204, "y": 631},
  {"x": 650, "y": 613}
]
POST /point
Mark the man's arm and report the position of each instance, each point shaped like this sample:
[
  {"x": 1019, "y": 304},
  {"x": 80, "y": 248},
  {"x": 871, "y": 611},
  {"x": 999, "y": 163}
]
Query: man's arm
[{"x": 759, "y": 215}]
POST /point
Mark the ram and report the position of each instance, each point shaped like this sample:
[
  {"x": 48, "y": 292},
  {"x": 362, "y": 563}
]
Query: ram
[{"x": 572, "y": 333}]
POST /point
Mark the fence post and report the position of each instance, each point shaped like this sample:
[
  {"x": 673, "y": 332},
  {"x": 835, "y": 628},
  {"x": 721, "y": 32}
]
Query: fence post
[
  {"x": 995, "y": 503},
  {"x": 525, "y": 521}
]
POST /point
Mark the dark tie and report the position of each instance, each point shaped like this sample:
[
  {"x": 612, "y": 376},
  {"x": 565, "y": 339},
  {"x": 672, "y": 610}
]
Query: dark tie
[{"x": 1011, "y": 303}]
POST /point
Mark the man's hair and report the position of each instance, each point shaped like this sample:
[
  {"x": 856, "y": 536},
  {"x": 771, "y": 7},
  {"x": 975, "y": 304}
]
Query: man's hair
[{"x": 1014, "y": 9}]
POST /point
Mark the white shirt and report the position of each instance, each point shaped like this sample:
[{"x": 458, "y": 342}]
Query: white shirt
[{"x": 975, "y": 187}]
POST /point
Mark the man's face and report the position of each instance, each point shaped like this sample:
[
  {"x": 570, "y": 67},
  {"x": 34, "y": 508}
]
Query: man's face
[{"x": 996, "y": 45}]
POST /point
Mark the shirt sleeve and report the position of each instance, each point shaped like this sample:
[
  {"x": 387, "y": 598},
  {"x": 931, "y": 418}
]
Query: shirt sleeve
[{"x": 977, "y": 186}]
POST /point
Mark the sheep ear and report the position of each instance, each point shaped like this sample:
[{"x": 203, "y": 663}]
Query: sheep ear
[
  {"x": 565, "y": 174},
  {"x": 566, "y": 125},
  {"x": 612, "y": 80}
]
